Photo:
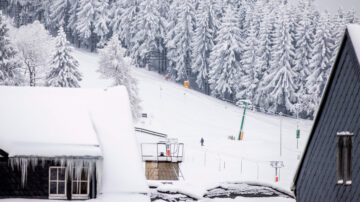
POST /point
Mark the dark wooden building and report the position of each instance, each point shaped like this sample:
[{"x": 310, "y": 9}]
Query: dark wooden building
[{"x": 329, "y": 168}]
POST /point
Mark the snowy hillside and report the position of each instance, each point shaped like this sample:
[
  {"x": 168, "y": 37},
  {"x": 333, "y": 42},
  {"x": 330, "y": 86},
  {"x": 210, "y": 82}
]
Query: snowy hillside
[{"x": 188, "y": 115}]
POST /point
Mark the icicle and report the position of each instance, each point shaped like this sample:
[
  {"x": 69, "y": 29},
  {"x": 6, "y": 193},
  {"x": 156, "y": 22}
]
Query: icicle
[
  {"x": 99, "y": 174},
  {"x": 74, "y": 165}
]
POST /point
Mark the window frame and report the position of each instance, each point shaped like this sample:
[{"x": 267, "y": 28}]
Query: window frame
[
  {"x": 57, "y": 195},
  {"x": 344, "y": 158},
  {"x": 340, "y": 161},
  {"x": 79, "y": 182},
  {"x": 348, "y": 161}
]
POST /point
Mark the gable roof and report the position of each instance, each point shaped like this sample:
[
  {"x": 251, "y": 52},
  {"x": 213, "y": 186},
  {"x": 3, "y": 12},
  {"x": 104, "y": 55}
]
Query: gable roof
[{"x": 352, "y": 33}]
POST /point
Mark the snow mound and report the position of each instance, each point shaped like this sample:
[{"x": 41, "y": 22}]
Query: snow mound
[{"x": 233, "y": 190}]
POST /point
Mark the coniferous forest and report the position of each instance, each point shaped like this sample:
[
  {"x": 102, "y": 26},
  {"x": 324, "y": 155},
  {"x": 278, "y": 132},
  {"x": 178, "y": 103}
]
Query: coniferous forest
[{"x": 274, "y": 53}]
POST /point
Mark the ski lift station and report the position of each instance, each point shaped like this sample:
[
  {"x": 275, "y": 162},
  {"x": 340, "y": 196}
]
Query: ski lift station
[
  {"x": 68, "y": 143},
  {"x": 162, "y": 159}
]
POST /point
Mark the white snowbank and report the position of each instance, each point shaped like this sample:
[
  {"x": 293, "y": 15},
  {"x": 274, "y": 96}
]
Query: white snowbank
[{"x": 247, "y": 199}]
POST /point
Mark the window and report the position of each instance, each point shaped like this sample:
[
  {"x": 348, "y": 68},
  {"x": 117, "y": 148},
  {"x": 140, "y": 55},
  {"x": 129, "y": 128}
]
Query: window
[
  {"x": 344, "y": 158},
  {"x": 57, "y": 182},
  {"x": 80, "y": 184}
]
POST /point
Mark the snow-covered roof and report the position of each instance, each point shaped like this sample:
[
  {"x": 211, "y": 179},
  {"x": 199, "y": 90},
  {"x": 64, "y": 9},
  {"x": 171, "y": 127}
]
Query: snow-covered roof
[
  {"x": 46, "y": 122},
  {"x": 354, "y": 32},
  {"x": 58, "y": 122}
]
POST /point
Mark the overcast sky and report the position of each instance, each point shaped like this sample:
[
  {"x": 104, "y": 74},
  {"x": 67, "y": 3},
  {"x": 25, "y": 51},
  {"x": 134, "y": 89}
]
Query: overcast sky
[{"x": 333, "y": 5}]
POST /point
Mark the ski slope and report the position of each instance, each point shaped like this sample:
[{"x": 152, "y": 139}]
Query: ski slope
[{"x": 189, "y": 115}]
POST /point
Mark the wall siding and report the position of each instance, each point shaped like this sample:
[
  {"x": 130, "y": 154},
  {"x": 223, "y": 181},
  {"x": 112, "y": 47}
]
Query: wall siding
[
  {"x": 37, "y": 182},
  {"x": 340, "y": 112}
]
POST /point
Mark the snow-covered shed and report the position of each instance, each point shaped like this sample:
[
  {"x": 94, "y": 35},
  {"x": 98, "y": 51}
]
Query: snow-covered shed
[
  {"x": 328, "y": 170},
  {"x": 67, "y": 143}
]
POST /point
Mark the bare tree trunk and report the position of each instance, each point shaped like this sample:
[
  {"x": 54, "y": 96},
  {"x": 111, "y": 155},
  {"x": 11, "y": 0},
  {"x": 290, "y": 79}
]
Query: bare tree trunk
[{"x": 32, "y": 78}]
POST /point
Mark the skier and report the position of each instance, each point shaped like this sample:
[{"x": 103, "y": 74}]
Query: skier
[{"x": 202, "y": 141}]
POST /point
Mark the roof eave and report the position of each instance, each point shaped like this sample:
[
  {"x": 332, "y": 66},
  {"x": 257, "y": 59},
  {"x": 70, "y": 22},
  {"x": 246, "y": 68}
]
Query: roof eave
[{"x": 3, "y": 153}]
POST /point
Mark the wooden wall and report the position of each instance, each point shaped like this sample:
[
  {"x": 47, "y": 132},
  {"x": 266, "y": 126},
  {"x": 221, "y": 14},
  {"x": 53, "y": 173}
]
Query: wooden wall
[
  {"x": 37, "y": 183},
  {"x": 161, "y": 170}
]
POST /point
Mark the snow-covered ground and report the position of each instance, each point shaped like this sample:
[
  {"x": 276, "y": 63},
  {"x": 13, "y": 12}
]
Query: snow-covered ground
[{"x": 189, "y": 115}]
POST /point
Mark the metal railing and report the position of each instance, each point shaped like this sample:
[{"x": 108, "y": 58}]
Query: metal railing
[
  {"x": 162, "y": 151},
  {"x": 150, "y": 132}
]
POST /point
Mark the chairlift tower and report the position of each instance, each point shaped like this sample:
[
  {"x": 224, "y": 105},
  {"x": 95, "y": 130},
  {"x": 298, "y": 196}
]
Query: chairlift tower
[
  {"x": 241, "y": 133},
  {"x": 277, "y": 165}
]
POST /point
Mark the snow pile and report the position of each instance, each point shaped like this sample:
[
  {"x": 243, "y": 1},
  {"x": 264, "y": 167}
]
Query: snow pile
[{"x": 232, "y": 190}]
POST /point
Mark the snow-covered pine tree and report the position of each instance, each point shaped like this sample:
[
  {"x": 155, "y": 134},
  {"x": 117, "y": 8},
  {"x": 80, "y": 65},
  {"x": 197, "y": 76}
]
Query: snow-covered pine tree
[
  {"x": 71, "y": 26},
  {"x": 339, "y": 24},
  {"x": 164, "y": 7},
  {"x": 279, "y": 84},
  {"x": 352, "y": 17},
  {"x": 203, "y": 42},
  {"x": 64, "y": 67},
  {"x": 114, "y": 65},
  {"x": 263, "y": 49},
  {"x": 25, "y": 11},
  {"x": 179, "y": 45},
  {"x": 249, "y": 75},
  {"x": 101, "y": 20},
  {"x": 9, "y": 62},
  {"x": 122, "y": 23},
  {"x": 224, "y": 58},
  {"x": 303, "y": 37},
  {"x": 321, "y": 62},
  {"x": 304, "y": 30},
  {"x": 85, "y": 23},
  {"x": 172, "y": 21},
  {"x": 151, "y": 34},
  {"x": 58, "y": 14}
]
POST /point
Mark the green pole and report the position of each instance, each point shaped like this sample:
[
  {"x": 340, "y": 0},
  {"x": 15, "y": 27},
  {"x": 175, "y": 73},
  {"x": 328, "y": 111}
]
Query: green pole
[{"x": 242, "y": 121}]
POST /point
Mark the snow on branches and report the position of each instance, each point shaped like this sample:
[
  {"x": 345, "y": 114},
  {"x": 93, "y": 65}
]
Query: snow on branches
[
  {"x": 114, "y": 65},
  {"x": 64, "y": 67}
]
